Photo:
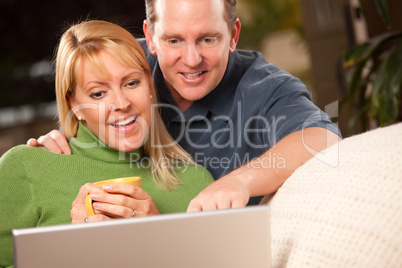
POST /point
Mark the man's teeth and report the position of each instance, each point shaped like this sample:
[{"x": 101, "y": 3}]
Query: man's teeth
[
  {"x": 127, "y": 121},
  {"x": 192, "y": 76}
]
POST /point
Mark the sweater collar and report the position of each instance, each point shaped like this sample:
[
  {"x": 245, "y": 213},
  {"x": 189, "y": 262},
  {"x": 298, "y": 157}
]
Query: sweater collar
[{"x": 88, "y": 144}]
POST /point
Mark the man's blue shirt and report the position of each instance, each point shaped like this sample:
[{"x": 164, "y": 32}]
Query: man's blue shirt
[{"x": 254, "y": 106}]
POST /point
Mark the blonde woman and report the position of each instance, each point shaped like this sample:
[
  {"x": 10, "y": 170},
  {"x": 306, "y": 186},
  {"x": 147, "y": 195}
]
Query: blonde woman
[{"x": 104, "y": 96}]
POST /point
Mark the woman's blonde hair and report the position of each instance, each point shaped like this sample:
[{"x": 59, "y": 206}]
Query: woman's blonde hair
[{"x": 86, "y": 40}]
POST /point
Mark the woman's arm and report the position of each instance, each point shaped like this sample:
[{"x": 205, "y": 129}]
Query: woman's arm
[{"x": 16, "y": 203}]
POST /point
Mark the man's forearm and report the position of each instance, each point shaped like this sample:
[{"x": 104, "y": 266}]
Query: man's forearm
[{"x": 265, "y": 174}]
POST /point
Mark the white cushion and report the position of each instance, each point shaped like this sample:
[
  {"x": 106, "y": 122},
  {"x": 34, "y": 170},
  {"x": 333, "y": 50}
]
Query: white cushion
[{"x": 343, "y": 208}]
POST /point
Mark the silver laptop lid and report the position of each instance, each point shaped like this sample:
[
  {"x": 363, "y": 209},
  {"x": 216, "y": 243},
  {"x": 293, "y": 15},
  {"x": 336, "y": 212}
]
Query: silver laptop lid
[{"x": 225, "y": 238}]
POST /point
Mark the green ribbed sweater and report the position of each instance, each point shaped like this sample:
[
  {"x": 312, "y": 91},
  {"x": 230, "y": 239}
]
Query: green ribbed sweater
[{"x": 38, "y": 187}]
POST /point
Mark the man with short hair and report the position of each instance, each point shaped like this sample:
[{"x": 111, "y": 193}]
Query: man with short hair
[{"x": 249, "y": 123}]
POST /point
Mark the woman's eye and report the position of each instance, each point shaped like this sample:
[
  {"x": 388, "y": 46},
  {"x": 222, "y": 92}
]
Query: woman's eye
[
  {"x": 133, "y": 83},
  {"x": 97, "y": 95}
]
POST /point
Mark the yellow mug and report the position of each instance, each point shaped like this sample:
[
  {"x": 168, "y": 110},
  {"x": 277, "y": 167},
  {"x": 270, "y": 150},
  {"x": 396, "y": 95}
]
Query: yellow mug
[{"x": 135, "y": 181}]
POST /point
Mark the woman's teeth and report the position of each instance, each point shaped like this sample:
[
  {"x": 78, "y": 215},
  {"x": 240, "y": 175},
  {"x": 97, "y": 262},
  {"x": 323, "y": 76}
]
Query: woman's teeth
[
  {"x": 128, "y": 121},
  {"x": 192, "y": 76}
]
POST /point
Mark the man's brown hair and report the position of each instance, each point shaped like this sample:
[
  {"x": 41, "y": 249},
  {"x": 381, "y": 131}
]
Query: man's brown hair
[{"x": 230, "y": 13}]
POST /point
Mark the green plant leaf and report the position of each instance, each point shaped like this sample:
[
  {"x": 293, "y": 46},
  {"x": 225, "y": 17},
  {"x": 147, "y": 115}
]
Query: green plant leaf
[
  {"x": 379, "y": 95},
  {"x": 375, "y": 67},
  {"x": 363, "y": 52},
  {"x": 392, "y": 92},
  {"x": 354, "y": 81},
  {"x": 387, "y": 87},
  {"x": 396, "y": 80},
  {"x": 359, "y": 56},
  {"x": 360, "y": 116},
  {"x": 382, "y": 7},
  {"x": 357, "y": 79},
  {"x": 361, "y": 6}
]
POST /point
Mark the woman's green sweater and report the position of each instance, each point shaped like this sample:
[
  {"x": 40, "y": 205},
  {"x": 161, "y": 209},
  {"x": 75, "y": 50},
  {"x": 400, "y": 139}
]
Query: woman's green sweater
[{"x": 38, "y": 187}]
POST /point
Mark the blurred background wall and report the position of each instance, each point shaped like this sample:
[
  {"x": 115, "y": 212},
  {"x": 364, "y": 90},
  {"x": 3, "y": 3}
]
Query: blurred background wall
[
  {"x": 30, "y": 31},
  {"x": 304, "y": 37}
]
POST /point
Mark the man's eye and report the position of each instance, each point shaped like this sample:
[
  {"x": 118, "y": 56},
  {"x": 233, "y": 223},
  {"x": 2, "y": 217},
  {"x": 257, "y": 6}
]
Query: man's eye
[
  {"x": 209, "y": 41},
  {"x": 173, "y": 41}
]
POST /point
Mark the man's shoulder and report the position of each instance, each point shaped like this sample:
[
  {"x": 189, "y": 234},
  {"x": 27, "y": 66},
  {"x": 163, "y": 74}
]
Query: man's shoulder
[
  {"x": 143, "y": 43},
  {"x": 251, "y": 58},
  {"x": 151, "y": 59},
  {"x": 261, "y": 75}
]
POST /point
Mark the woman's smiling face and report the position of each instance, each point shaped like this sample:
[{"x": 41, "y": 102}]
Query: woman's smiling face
[{"x": 114, "y": 103}]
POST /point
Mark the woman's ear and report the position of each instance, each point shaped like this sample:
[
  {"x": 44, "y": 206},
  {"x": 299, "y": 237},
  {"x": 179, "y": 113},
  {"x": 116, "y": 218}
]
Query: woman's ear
[
  {"x": 235, "y": 36},
  {"x": 73, "y": 105},
  {"x": 148, "y": 38}
]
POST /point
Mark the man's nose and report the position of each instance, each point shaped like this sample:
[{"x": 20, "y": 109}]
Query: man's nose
[{"x": 191, "y": 55}]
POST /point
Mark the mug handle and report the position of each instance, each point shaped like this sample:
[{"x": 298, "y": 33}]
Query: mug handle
[{"x": 88, "y": 205}]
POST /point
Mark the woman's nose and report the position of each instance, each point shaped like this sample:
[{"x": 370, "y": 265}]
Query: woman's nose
[{"x": 121, "y": 102}]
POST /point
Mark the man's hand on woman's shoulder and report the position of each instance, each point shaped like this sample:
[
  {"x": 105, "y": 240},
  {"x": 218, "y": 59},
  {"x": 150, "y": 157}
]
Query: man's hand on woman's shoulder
[{"x": 54, "y": 141}]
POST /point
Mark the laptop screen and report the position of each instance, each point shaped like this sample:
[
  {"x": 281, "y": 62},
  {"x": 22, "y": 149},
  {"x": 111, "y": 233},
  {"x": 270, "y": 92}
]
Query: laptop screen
[{"x": 224, "y": 238}]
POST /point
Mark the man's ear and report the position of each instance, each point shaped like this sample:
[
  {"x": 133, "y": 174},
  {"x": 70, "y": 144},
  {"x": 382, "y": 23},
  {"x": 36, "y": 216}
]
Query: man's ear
[
  {"x": 148, "y": 38},
  {"x": 235, "y": 36}
]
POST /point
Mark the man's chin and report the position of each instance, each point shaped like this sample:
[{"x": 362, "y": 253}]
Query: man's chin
[{"x": 194, "y": 94}]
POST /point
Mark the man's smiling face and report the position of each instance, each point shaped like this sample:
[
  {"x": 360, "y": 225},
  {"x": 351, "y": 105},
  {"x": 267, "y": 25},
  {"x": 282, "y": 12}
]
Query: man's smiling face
[{"x": 192, "y": 41}]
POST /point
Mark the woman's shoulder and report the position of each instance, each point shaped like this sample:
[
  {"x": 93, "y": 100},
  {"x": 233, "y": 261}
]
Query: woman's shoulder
[
  {"x": 16, "y": 161},
  {"x": 22, "y": 152}
]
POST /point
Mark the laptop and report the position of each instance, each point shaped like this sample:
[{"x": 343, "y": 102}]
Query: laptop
[{"x": 224, "y": 238}]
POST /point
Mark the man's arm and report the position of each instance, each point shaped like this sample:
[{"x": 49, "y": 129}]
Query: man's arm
[
  {"x": 54, "y": 141},
  {"x": 265, "y": 174}
]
